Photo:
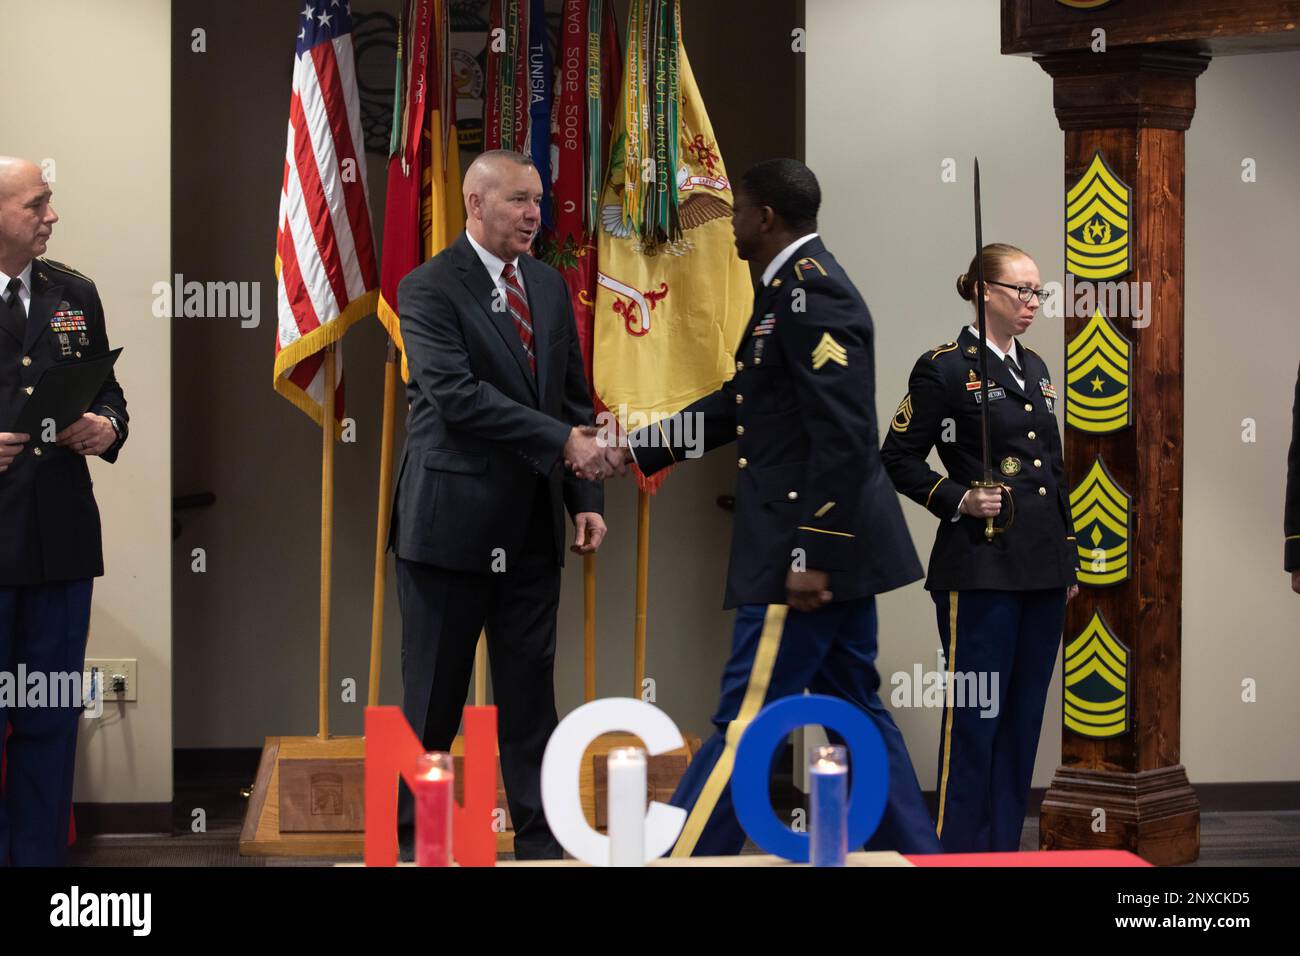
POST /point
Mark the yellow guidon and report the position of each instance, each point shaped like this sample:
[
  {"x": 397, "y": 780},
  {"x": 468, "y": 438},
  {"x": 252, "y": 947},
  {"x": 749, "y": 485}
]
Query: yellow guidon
[
  {"x": 1100, "y": 512},
  {"x": 1096, "y": 682},
  {"x": 1098, "y": 224},
  {"x": 1097, "y": 361}
]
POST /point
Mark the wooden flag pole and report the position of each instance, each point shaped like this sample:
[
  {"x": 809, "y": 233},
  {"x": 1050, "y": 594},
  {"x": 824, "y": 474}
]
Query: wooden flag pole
[
  {"x": 480, "y": 671},
  {"x": 642, "y": 589},
  {"x": 589, "y": 627},
  {"x": 381, "y": 525},
  {"x": 326, "y": 535}
]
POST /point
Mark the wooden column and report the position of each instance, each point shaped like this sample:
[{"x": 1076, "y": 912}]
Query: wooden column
[{"x": 1134, "y": 105}]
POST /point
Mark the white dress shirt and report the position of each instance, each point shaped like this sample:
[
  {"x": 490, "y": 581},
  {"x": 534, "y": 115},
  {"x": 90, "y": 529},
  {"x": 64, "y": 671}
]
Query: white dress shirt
[
  {"x": 495, "y": 266},
  {"x": 783, "y": 257},
  {"x": 1015, "y": 354},
  {"x": 24, "y": 293}
]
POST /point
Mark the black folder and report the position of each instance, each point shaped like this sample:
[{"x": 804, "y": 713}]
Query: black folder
[{"x": 64, "y": 393}]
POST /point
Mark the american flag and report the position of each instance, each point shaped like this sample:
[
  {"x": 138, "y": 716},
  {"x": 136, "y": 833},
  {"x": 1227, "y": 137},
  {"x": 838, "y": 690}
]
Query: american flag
[{"x": 325, "y": 249}]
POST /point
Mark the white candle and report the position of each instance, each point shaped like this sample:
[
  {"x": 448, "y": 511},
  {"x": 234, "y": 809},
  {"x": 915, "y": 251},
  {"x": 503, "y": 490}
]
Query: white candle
[{"x": 626, "y": 805}]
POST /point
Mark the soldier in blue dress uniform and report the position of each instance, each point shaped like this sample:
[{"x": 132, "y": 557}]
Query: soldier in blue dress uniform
[
  {"x": 818, "y": 530},
  {"x": 1000, "y": 603},
  {"x": 49, "y": 523}
]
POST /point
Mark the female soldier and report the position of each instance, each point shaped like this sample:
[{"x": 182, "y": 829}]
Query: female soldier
[{"x": 1000, "y": 602}]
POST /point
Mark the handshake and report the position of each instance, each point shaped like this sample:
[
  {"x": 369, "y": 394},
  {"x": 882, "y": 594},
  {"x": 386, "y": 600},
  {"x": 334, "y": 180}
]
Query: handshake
[{"x": 590, "y": 454}]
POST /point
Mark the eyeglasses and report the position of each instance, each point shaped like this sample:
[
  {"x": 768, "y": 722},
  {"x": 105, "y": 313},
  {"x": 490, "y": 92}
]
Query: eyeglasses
[{"x": 1025, "y": 292}]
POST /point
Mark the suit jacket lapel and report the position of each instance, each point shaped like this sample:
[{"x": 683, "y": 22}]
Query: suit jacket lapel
[
  {"x": 764, "y": 294},
  {"x": 45, "y": 298},
  {"x": 763, "y": 297},
  {"x": 12, "y": 323},
  {"x": 484, "y": 290}
]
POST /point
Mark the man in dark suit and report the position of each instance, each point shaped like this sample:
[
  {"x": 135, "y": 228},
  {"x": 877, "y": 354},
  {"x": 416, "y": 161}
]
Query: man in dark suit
[
  {"x": 819, "y": 531},
  {"x": 498, "y": 400},
  {"x": 49, "y": 524}
]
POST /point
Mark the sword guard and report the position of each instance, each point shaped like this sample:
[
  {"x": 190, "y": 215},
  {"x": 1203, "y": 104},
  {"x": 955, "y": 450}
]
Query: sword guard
[{"x": 991, "y": 529}]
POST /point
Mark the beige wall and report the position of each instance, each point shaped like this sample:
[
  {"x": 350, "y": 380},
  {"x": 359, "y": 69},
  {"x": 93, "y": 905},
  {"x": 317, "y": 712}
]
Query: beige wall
[
  {"x": 87, "y": 84},
  {"x": 889, "y": 97}
]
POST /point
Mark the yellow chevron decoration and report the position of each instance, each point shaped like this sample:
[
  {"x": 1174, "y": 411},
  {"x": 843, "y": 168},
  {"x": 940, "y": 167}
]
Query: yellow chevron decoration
[
  {"x": 828, "y": 350},
  {"x": 1098, "y": 224},
  {"x": 903, "y": 417},
  {"x": 1097, "y": 381},
  {"x": 1100, "y": 510},
  {"x": 1096, "y": 682}
]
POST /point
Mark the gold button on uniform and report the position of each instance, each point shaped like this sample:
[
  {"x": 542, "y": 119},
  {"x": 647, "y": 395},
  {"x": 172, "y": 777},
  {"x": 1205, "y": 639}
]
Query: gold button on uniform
[
  {"x": 1038, "y": 463},
  {"x": 1042, "y": 491},
  {"x": 36, "y": 451},
  {"x": 742, "y": 462},
  {"x": 1033, "y": 434},
  {"x": 740, "y": 366},
  {"x": 793, "y": 496},
  {"x": 740, "y": 429},
  {"x": 27, "y": 360},
  {"x": 740, "y": 399},
  {"x": 1028, "y": 407},
  {"x": 29, "y": 389}
]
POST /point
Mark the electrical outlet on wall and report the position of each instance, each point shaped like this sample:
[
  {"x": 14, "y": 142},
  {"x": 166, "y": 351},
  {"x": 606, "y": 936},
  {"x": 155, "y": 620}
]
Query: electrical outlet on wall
[{"x": 116, "y": 677}]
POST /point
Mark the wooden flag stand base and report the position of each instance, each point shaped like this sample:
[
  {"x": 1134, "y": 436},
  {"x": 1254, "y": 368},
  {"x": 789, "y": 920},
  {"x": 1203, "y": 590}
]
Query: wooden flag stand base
[{"x": 309, "y": 797}]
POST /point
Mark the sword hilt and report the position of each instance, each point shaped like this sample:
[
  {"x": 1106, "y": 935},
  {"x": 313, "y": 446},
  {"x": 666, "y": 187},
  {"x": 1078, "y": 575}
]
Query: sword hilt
[{"x": 991, "y": 529}]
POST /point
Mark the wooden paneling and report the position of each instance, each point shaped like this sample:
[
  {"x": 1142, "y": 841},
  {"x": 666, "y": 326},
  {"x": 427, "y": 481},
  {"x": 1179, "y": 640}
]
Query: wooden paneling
[{"x": 1214, "y": 26}]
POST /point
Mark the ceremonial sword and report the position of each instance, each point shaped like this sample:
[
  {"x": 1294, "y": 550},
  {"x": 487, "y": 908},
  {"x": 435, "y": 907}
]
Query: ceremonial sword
[{"x": 981, "y": 324}]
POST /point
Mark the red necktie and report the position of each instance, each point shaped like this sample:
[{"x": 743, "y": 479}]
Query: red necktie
[{"x": 518, "y": 306}]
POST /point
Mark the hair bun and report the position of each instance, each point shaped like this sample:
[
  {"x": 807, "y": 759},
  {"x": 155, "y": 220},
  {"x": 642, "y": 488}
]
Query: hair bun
[{"x": 964, "y": 286}]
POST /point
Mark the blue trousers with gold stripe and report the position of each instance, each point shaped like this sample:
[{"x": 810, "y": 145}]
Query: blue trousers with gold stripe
[
  {"x": 1007, "y": 640},
  {"x": 777, "y": 652},
  {"x": 43, "y": 628}
]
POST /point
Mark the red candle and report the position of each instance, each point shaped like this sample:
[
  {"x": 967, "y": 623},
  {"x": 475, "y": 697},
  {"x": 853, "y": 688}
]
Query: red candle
[{"x": 433, "y": 800}]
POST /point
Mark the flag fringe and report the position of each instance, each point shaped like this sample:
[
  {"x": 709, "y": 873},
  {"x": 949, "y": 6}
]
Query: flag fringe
[{"x": 313, "y": 342}]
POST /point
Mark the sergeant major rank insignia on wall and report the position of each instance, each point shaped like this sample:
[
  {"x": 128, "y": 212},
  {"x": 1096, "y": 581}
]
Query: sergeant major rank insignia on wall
[
  {"x": 1097, "y": 360},
  {"x": 1098, "y": 224},
  {"x": 1096, "y": 682},
  {"x": 1100, "y": 511}
]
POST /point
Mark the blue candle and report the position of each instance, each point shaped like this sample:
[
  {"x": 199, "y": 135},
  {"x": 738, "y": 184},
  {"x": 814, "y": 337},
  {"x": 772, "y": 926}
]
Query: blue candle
[{"x": 828, "y": 771}]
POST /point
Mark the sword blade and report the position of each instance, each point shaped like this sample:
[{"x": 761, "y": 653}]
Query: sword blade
[{"x": 981, "y": 325}]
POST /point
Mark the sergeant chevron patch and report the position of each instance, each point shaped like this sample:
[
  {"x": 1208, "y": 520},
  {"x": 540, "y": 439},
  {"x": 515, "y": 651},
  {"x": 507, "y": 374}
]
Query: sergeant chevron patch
[
  {"x": 828, "y": 350},
  {"x": 1100, "y": 511},
  {"x": 903, "y": 417},
  {"x": 1098, "y": 224},
  {"x": 1096, "y": 682},
  {"x": 1097, "y": 381}
]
